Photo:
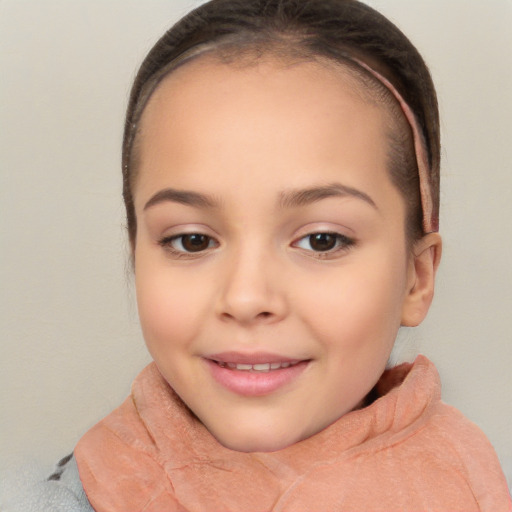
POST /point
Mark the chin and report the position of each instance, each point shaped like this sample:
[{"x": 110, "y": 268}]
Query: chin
[{"x": 241, "y": 442}]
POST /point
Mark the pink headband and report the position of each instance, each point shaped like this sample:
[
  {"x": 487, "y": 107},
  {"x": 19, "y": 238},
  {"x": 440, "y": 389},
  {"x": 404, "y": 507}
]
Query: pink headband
[{"x": 430, "y": 219}]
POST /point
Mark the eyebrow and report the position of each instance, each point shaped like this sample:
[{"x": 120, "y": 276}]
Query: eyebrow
[
  {"x": 303, "y": 197},
  {"x": 288, "y": 199},
  {"x": 185, "y": 197}
]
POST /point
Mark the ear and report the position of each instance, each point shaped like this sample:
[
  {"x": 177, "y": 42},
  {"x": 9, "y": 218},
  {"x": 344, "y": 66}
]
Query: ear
[{"x": 425, "y": 259}]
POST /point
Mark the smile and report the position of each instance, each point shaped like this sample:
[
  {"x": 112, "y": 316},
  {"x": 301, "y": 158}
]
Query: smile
[
  {"x": 254, "y": 374},
  {"x": 258, "y": 367}
]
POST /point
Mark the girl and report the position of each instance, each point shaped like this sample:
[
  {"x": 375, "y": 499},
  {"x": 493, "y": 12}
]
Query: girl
[{"x": 281, "y": 182}]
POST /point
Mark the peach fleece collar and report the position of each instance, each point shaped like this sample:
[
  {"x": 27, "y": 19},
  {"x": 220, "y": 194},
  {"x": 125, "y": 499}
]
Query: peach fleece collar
[{"x": 152, "y": 454}]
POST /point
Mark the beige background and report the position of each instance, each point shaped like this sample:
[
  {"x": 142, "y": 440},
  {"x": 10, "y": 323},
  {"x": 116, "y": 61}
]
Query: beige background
[{"x": 70, "y": 343}]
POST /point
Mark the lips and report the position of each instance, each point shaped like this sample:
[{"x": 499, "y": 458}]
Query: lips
[
  {"x": 258, "y": 367},
  {"x": 254, "y": 374}
]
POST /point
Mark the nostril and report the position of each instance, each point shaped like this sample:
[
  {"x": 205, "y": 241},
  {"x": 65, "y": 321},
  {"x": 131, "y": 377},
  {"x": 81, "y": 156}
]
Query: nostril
[{"x": 262, "y": 316}]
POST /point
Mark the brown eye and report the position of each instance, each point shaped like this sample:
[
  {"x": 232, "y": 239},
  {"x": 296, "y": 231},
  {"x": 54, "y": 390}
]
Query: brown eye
[
  {"x": 188, "y": 243},
  {"x": 323, "y": 241},
  {"x": 194, "y": 242}
]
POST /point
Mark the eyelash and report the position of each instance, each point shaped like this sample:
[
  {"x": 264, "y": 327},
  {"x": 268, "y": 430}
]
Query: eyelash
[
  {"x": 341, "y": 242},
  {"x": 168, "y": 244}
]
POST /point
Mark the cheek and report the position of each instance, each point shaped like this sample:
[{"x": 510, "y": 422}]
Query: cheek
[
  {"x": 361, "y": 307},
  {"x": 167, "y": 307}
]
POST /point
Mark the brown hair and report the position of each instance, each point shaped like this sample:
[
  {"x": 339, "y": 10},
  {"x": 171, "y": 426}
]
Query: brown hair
[{"x": 340, "y": 30}]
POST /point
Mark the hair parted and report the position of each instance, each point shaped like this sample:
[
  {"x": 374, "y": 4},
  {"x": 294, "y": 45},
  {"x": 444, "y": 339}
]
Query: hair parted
[{"x": 302, "y": 29}]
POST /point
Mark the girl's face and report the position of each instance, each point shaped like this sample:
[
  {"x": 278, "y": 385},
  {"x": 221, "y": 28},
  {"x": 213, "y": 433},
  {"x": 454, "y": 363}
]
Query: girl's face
[{"x": 271, "y": 265}]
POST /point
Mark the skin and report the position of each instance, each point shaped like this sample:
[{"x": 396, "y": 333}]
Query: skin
[{"x": 242, "y": 141}]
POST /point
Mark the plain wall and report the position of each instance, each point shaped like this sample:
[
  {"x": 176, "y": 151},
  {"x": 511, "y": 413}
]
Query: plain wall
[{"x": 70, "y": 341}]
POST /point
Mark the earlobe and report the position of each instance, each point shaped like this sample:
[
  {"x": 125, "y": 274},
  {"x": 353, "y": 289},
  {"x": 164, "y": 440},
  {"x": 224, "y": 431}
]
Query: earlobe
[{"x": 423, "y": 267}]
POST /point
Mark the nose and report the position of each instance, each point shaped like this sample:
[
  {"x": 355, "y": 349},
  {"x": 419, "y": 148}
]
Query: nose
[{"x": 252, "y": 289}]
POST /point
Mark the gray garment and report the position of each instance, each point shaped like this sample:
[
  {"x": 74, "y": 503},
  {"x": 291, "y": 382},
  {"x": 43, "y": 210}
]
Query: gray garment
[{"x": 61, "y": 492}]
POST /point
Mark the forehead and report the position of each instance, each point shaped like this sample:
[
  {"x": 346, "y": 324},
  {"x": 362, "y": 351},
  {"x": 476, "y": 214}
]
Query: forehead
[
  {"x": 215, "y": 69},
  {"x": 277, "y": 124},
  {"x": 208, "y": 92}
]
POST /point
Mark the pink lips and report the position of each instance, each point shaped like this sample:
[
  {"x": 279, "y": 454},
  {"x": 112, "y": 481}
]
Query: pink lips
[{"x": 254, "y": 374}]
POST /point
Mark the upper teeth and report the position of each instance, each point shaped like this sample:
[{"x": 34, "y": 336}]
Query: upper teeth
[{"x": 260, "y": 367}]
